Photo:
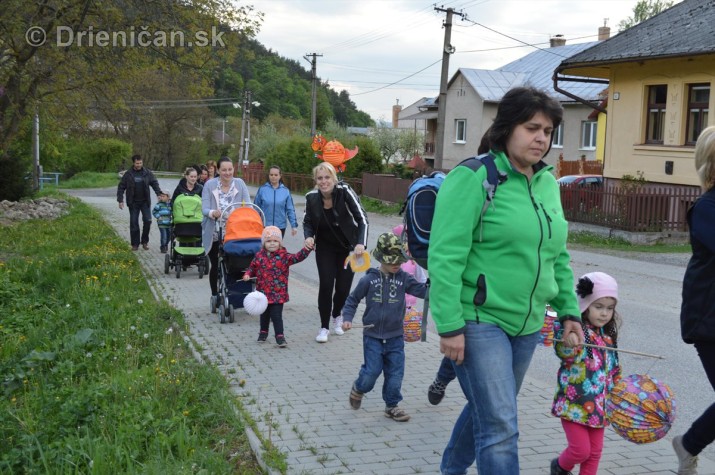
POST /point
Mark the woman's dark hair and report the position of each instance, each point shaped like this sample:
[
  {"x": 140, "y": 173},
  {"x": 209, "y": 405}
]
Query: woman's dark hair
[
  {"x": 280, "y": 180},
  {"x": 484, "y": 143},
  {"x": 222, "y": 160},
  {"x": 518, "y": 106}
]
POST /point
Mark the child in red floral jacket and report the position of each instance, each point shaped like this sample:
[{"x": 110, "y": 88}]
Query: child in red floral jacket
[{"x": 270, "y": 268}]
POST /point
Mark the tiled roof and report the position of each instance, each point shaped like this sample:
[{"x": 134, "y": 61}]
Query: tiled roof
[{"x": 684, "y": 29}]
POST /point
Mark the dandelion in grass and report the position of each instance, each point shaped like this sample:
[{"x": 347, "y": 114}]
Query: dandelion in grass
[
  {"x": 169, "y": 331},
  {"x": 173, "y": 361},
  {"x": 159, "y": 356},
  {"x": 185, "y": 413},
  {"x": 89, "y": 354},
  {"x": 140, "y": 301},
  {"x": 129, "y": 347},
  {"x": 132, "y": 328},
  {"x": 146, "y": 335},
  {"x": 106, "y": 299},
  {"x": 68, "y": 305}
]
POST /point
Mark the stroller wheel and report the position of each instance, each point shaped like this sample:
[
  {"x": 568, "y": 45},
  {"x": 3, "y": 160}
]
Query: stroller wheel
[
  {"x": 167, "y": 263},
  {"x": 212, "y": 304},
  {"x": 201, "y": 269},
  {"x": 222, "y": 314},
  {"x": 231, "y": 313}
]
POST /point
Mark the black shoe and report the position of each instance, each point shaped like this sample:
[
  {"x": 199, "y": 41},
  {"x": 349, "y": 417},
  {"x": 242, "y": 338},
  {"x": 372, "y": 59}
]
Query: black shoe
[
  {"x": 435, "y": 393},
  {"x": 355, "y": 398},
  {"x": 281, "y": 341},
  {"x": 556, "y": 468},
  {"x": 262, "y": 337}
]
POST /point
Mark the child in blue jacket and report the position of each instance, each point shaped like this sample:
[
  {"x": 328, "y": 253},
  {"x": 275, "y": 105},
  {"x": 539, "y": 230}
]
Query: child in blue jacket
[
  {"x": 384, "y": 292},
  {"x": 162, "y": 213}
]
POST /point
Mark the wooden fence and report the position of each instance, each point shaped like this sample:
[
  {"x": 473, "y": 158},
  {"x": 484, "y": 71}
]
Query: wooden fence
[
  {"x": 633, "y": 209},
  {"x": 296, "y": 182},
  {"x": 578, "y": 167}
]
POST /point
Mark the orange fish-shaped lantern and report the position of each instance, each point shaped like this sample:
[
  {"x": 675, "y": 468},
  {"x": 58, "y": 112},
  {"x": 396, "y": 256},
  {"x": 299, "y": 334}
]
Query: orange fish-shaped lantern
[{"x": 333, "y": 152}]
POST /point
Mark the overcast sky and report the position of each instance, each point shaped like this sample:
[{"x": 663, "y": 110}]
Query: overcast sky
[{"x": 368, "y": 45}]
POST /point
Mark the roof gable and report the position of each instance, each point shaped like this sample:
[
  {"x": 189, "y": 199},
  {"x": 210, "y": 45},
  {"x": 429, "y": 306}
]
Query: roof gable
[
  {"x": 684, "y": 29},
  {"x": 489, "y": 84}
]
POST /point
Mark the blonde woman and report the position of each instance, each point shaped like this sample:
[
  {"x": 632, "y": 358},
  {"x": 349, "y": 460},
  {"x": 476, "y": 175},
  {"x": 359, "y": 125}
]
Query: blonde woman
[
  {"x": 336, "y": 224},
  {"x": 697, "y": 314}
]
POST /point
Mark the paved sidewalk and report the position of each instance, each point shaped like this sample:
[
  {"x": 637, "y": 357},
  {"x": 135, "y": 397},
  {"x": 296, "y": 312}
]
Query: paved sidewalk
[{"x": 298, "y": 395}]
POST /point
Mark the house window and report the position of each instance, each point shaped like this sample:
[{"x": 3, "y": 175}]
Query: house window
[
  {"x": 655, "y": 121},
  {"x": 698, "y": 100},
  {"x": 460, "y": 125},
  {"x": 558, "y": 139},
  {"x": 588, "y": 135}
]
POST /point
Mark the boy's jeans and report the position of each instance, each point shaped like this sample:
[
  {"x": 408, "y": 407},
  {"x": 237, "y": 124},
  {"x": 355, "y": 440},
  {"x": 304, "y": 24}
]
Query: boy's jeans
[
  {"x": 165, "y": 232},
  {"x": 445, "y": 373},
  {"x": 383, "y": 356},
  {"x": 490, "y": 376}
]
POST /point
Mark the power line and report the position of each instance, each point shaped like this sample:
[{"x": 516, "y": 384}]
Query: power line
[{"x": 398, "y": 81}]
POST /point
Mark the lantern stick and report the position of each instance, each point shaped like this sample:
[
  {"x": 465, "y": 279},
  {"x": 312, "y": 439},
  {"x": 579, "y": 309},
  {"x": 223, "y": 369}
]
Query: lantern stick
[{"x": 617, "y": 349}]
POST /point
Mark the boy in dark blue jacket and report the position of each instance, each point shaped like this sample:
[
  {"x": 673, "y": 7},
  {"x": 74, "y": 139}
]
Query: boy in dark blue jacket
[{"x": 384, "y": 292}]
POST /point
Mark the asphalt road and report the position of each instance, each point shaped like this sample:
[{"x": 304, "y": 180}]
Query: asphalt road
[{"x": 649, "y": 304}]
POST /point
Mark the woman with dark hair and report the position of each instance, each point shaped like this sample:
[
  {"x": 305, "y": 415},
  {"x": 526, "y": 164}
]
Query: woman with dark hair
[
  {"x": 217, "y": 195},
  {"x": 487, "y": 314},
  {"x": 276, "y": 202},
  {"x": 336, "y": 224}
]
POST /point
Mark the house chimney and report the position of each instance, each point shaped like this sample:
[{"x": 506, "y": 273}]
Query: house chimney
[
  {"x": 557, "y": 40},
  {"x": 604, "y": 32},
  {"x": 396, "y": 109}
]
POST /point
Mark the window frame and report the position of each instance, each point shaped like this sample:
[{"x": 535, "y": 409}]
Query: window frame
[
  {"x": 457, "y": 134},
  {"x": 557, "y": 140},
  {"x": 655, "y": 114},
  {"x": 592, "y": 127},
  {"x": 703, "y": 110}
]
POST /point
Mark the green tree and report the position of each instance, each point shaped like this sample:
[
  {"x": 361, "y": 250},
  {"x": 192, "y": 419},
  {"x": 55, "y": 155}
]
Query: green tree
[{"x": 643, "y": 10}]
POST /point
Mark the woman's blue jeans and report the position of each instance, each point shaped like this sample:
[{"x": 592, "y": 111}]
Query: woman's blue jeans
[
  {"x": 386, "y": 356},
  {"x": 490, "y": 376}
]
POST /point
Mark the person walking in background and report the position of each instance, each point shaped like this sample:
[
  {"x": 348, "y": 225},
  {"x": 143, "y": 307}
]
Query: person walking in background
[
  {"x": 488, "y": 316},
  {"x": 137, "y": 184},
  {"x": 211, "y": 169},
  {"x": 384, "y": 291},
  {"x": 587, "y": 375},
  {"x": 188, "y": 185},
  {"x": 203, "y": 175},
  {"x": 270, "y": 267},
  {"x": 697, "y": 313},
  {"x": 276, "y": 202},
  {"x": 335, "y": 223},
  {"x": 217, "y": 195},
  {"x": 162, "y": 213}
]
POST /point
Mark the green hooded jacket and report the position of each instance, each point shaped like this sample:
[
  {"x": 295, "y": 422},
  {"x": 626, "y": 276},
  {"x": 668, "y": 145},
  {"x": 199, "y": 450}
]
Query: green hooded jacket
[{"x": 505, "y": 266}]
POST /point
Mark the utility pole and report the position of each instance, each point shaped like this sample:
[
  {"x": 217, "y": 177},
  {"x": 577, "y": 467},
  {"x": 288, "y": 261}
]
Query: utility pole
[
  {"x": 314, "y": 113},
  {"x": 36, "y": 149},
  {"x": 442, "y": 108},
  {"x": 246, "y": 97}
]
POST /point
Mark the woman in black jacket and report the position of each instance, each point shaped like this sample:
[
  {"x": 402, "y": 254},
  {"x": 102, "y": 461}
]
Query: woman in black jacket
[
  {"x": 335, "y": 223},
  {"x": 188, "y": 185},
  {"x": 697, "y": 314}
]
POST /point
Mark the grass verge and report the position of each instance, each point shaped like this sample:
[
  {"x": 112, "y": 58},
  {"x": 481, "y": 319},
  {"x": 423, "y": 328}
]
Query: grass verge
[
  {"x": 595, "y": 241},
  {"x": 91, "y": 180},
  {"x": 372, "y": 205},
  {"x": 96, "y": 377}
]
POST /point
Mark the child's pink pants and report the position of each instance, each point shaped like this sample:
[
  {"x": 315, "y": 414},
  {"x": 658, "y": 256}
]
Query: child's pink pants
[{"x": 584, "y": 449}]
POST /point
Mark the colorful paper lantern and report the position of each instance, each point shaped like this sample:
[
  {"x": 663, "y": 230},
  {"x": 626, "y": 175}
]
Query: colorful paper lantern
[
  {"x": 255, "y": 303},
  {"x": 640, "y": 408},
  {"x": 546, "y": 335},
  {"x": 412, "y": 325}
]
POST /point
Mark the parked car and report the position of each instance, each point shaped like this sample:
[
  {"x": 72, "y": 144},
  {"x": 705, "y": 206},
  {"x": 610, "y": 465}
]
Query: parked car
[{"x": 581, "y": 192}]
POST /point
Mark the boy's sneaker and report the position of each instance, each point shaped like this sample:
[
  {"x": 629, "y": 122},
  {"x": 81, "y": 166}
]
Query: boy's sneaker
[
  {"x": 135, "y": 248},
  {"x": 338, "y": 325},
  {"x": 281, "y": 341},
  {"x": 145, "y": 246},
  {"x": 355, "y": 398},
  {"x": 262, "y": 336},
  {"x": 435, "y": 393},
  {"x": 687, "y": 463},
  {"x": 163, "y": 249},
  {"x": 397, "y": 414},
  {"x": 322, "y": 336}
]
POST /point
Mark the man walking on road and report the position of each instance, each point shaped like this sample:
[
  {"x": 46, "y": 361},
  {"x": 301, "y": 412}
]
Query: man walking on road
[{"x": 136, "y": 182}]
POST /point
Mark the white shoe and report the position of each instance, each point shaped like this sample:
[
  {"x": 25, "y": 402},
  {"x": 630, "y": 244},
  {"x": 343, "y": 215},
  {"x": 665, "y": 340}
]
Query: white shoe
[
  {"x": 338, "y": 325},
  {"x": 322, "y": 335},
  {"x": 687, "y": 463}
]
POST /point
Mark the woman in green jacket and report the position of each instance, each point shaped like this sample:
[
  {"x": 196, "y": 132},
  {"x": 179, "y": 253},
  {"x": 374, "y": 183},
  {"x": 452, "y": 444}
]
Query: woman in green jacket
[{"x": 492, "y": 275}]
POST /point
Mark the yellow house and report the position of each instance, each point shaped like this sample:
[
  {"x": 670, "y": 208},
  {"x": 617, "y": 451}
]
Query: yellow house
[{"x": 660, "y": 74}]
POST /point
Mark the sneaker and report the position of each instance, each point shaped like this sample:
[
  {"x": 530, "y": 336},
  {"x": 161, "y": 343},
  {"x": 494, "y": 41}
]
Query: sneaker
[
  {"x": 397, "y": 414},
  {"x": 435, "y": 393},
  {"x": 281, "y": 341},
  {"x": 135, "y": 248},
  {"x": 163, "y": 249},
  {"x": 355, "y": 398},
  {"x": 556, "y": 468},
  {"x": 262, "y": 336},
  {"x": 338, "y": 325},
  {"x": 145, "y": 246},
  {"x": 687, "y": 463},
  {"x": 322, "y": 336}
]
